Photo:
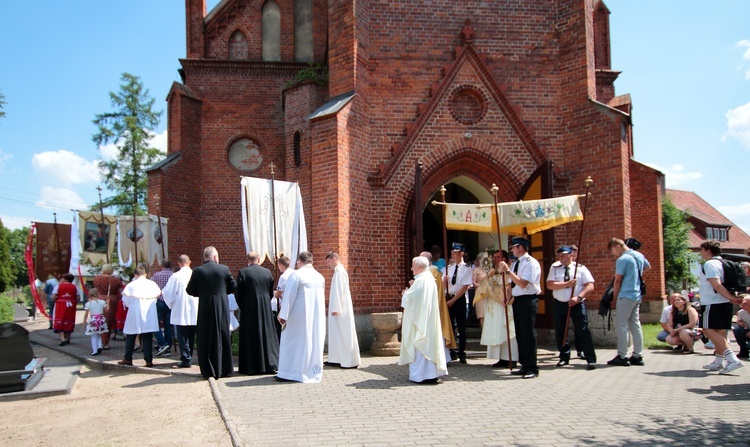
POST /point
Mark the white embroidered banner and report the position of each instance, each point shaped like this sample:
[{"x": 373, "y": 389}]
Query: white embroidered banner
[
  {"x": 538, "y": 215},
  {"x": 469, "y": 217},
  {"x": 257, "y": 218}
]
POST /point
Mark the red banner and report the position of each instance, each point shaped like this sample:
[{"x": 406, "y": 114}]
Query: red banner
[
  {"x": 52, "y": 249},
  {"x": 28, "y": 256}
]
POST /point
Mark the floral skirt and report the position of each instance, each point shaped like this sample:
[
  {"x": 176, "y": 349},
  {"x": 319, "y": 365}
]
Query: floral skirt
[{"x": 96, "y": 324}]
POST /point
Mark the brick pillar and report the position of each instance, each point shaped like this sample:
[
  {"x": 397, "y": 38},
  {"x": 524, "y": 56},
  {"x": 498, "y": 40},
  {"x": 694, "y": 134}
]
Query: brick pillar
[{"x": 195, "y": 11}]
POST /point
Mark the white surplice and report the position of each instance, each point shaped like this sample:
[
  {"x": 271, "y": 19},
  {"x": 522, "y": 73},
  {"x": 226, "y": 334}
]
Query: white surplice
[
  {"x": 343, "y": 346},
  {"x": 184, "y": 307},
  {"x": 303, "y": 339},
  {"x": 139, "y": 296},
  {"x": 494, "y": 331},
  {"x": 421, "y": 333}
]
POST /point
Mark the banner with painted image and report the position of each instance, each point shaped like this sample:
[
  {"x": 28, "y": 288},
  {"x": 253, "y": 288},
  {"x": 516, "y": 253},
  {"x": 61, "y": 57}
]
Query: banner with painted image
[
  {"x": 97, "y": 239},
  {"x": 157, "y": 242},
  {"x": 132, "y": 238}
]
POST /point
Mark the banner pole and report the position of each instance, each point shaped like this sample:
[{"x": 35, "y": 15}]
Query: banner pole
[{"x": 494, "y": 191}]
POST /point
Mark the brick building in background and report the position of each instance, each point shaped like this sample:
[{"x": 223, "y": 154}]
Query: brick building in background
[{"x": 517, "y": 93}]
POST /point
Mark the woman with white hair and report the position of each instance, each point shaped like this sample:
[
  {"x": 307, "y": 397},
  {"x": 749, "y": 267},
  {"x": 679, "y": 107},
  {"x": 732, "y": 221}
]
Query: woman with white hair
[{"x": 139, "y": 296}]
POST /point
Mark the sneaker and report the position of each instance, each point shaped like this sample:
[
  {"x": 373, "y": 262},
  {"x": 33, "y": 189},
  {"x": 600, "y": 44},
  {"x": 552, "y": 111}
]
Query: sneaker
[
  {"x": 164, "y": 350},
  {"x": 619, "y": 361},
  {"x": 713, "y": 366},
  {"x": 581, "y": 355},
  {"x": 637, "y": 361},
  {"x": 731, "y": 366},
  {"x": 709, "y": 345}
]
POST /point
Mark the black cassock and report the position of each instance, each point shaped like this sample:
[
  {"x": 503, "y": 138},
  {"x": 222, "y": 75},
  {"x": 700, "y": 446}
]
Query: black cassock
[
  {"x": 259, "y": 344},
  {"x": 211, "y": 283}
]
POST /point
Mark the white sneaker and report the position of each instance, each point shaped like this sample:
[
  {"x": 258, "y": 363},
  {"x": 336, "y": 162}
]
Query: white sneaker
[
  {"x": 710, "y": 345},
  {"x": 731, "y": 366},
  {"x": 713, "y": 366}
]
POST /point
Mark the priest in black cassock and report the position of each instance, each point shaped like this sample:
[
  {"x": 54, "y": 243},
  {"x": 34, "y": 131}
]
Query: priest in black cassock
[
  {"x": 259, "y": 344},
  {"x": 211, "y": 282}
]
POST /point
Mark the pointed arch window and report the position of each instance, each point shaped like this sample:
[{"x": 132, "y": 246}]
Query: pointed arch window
[
  {"x": 238, "y": 46},
  {"x": 271, "y": 31},
  {"x": 297, "y": 149},
  {"x": 601, "y": 37}
]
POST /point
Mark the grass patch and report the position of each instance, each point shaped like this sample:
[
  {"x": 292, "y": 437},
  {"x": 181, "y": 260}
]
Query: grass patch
[
  {"x": 235, "y": 343},
  {"x": 649, "y": 336}
]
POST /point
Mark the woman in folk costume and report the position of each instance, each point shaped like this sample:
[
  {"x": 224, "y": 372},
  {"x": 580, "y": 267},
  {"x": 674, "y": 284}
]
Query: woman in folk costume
[
  {"x": 139, "y": 296},
  {"x": 65, "y": 296},
  {"x": 109, "y": 288},
  {"x": 495, "y": 328},
  {"x": 422, "y": 342}
]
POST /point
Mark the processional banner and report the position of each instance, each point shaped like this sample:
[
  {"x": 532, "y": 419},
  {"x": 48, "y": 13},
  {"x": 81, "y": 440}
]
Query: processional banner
[
  {"x": 52, "y": 249},
  {"x": 129, "y": 237},
  {"x": 98, "y": 241},
  {"x": 261, "y": 200}
]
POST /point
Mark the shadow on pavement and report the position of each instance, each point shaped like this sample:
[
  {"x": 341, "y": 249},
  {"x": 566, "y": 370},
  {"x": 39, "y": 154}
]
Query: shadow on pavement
[
  {"x": 687, "y": 432},
  {"x": 681, "y": 373},
  {"x": 728, "y": 392}
]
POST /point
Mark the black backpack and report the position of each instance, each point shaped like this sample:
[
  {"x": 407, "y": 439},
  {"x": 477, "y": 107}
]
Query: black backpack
[
  {"x": 735, "y": 280},
  {"x": 605, "y": 304}
]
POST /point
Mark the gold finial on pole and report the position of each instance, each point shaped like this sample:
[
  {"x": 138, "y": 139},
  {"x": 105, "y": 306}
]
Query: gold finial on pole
[
  {"x": 589, "y": 182},
  {"x": 271, "y": 165},
  {"x": 494, "y": 190}
]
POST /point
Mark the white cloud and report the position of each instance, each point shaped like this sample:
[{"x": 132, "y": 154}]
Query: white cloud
[
  {"x": 159, "y": 141},
  {"x": 738, "y": 125},
  {"x": 15, "y": 222},
  {"x": 744, "y": 43},
  {"x": 65, "y": 168},
  {"x": 739, "y": 214},
  {"x": 675, "y": 175},
  {"x": 3, "y": 159},
  {"x": 62, "y": 198}
]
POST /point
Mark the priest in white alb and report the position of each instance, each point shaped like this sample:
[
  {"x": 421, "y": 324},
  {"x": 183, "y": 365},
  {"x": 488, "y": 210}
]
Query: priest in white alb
[
  {"x": 496, "y": 329},
  {"x": 343, "y": 347},
  {"x": 422, "y": 343},
  {"x": 302, "y": 317}
]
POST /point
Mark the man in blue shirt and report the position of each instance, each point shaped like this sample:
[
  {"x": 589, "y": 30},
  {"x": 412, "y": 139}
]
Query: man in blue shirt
[{"x": 629, "y": 268}]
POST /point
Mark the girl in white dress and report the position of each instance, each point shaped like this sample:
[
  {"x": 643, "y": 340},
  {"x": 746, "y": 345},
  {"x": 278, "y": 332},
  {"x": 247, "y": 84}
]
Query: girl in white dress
[{"x": 96, "y": 325}]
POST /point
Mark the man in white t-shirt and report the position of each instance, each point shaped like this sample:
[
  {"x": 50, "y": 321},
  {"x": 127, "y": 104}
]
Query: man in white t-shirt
[
  {"x": 457, "y": 279},
  {"x": 716, "y": 302}
]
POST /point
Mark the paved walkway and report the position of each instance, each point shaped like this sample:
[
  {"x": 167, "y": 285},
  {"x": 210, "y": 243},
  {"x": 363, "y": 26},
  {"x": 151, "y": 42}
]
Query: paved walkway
[{"x": 670, "y": 401}]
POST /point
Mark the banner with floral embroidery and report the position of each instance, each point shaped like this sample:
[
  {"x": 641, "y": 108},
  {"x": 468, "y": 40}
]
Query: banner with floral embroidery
[
  {"x": 469, "y": 217},
  {"x": 538, "y": 215}
]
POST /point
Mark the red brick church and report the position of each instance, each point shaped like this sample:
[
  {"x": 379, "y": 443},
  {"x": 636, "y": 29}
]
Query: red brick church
[{"x": 517, "y": 93}]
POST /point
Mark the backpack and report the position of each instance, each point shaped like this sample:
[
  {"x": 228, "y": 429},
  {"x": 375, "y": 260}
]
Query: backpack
[
  {"x": 735, "y": 279},
  {"x": 605, "y": 304},
  {"x": 640, "y": 278}
]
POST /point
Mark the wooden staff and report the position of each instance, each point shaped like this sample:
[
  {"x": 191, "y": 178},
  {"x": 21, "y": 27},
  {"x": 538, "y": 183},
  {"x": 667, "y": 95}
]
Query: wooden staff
[
  {"x": 445, "y": 233},
  {"x": 494, "y": 191},
  {"x": 588, "y": 182},
  {"x": 101, "y": 210},
  {"x": 418, "y": 205},
  {"x": 273, "y": 216}
]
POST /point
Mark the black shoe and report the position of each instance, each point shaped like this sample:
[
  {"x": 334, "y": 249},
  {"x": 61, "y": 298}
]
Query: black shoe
[
  {"x": 337, "y": 365},
  {"x": 462, "y": 358},
  {"x": 99, "y": 351},
  {"x": 531, "y": 374},
  {"x": 519, "y": 372},
  {"x": 454, "y": 355},
  {"x": 637, "y": 361},
  {"x": 349, "y": 367},
  {"x": 149, "y": 364},
  {"x": 429, "y": 382},
  {"x": 182, "y": 365},
  {"x": 562, "y": 363},
  {"x": 619, "y": 361},
  {"x": 581, "y": 356},
  {"x": 591, "y": 367}
]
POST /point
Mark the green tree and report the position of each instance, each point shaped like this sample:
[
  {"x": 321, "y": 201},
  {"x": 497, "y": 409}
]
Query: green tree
[
  {"x": 677, "y": 254},
  {"x": 17, "y": 245},
  {"x": 2, "y": 103},
  {"x": 130, "y": 127},
  {"x": 6, "y": 271}
]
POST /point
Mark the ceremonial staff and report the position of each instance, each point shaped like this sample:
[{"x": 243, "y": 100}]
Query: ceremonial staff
[
  {"x": 101, "y": 209},
  {"x": 494, "y": 191},
  {"x": 445, "y": 229},
  {"x": 588, "y": 182},
  {"x": 161, "y": 233},
  {"x": 273, "y": 216},
  {"x": 418, "y": 206}
]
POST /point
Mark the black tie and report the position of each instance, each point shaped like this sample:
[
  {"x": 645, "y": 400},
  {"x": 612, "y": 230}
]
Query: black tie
[
  {"x": 567, "y": 274},
  {"x": 455, "y": 274},
  {"x": 515, "y": 270}
]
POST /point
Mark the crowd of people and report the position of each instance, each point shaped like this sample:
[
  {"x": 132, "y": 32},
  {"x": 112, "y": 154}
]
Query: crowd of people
[{"x": 283, "y": 323}]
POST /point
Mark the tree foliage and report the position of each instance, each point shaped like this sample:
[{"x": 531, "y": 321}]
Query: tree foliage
[
  {"x": 6, "y": 272},
  {"x": 2, "y": 104},
  {"x": 17, "y": 245},
  {"x": 130, "y": 127},
  {"x": 677, "y": 254}
]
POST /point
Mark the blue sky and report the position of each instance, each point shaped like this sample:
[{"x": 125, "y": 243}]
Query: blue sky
[{"x": 686, "y": 65}]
